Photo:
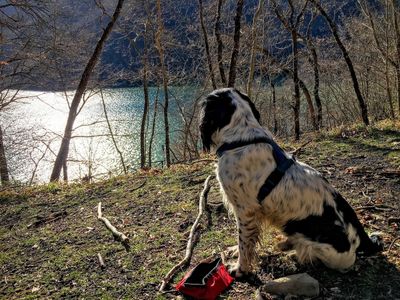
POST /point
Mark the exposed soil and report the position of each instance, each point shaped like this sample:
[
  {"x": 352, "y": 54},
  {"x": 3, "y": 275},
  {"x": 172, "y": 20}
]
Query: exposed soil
[{"x": 50, "y": 235}]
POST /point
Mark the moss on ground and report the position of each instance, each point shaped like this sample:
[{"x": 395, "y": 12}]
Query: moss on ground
[{"x": 58, "y": 259}]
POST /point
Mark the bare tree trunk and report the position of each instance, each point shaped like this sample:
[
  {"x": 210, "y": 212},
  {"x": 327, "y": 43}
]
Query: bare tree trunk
[
  {"x": 219, "y": 43},
  {"x": 311, "y": 109},
  {"x": 397, "y": 30},
  {"x": 165, "y": 82},
  {"x": 121, "y": 157},
  {"x": 296, "y": 95},
  {"x": 146, "y": 102},
  {"x": 384, "y": 52},
  {"x": 64, "y": 148},
  {"x": 153, "y": 127},
  {"x": 209, "y": 61},
  {"x": 236, "y": 44},
  {"x": 275, "y": 126},
  {"x": 314, "y": 63},
  {"x": 5, "y": 178},
  {"x": 65, "y": 171},
  {"x": 332, "y": 26},
  {"x": 253, "y": 47}
]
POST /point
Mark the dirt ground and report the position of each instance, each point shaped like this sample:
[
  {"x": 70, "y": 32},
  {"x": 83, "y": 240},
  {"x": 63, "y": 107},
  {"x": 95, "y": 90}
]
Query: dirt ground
[{"x": 50, "y": 235}]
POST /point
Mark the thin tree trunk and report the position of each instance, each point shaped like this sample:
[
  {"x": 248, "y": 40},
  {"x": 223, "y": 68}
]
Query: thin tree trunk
[
  {"x": 121, "y": 157},
  {"x": 333, "y": 28},
  {"x": 250, "y": 79},
  {"x": 64, "y": 148},
  {"x": 311, "y": 109},
  {"x": 219, "y": 43},
  {"x": 146, "y": 102},
  {"x": 236, "y": 44},
  {"x": 209, "y": 61},
  {"x": 317, "y": 99},
  {"x": 153, "y": 128},
  {"x": 5, "y": 177},
  {"x": 165, "y": 82},
  {"x": 296, "y": 95},
  {"x": 387, "y": 76},
  {"x": 397, "y": 30},
  {"x": 65, "y": 171},
  {"x": 275, "y": 126}
]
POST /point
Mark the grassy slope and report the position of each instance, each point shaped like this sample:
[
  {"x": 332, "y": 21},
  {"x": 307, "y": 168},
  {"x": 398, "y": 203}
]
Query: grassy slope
[{"x": 59, "y": 259}]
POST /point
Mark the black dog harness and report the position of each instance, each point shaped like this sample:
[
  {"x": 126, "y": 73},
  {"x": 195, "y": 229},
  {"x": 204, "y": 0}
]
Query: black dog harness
[{"x": 283, "y": 163}]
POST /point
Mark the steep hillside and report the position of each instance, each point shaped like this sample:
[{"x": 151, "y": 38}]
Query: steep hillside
[{"x": 50, "y": 235}]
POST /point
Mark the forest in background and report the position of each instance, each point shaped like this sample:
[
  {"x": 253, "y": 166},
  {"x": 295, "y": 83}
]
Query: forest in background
[{"x": 308, "y": 65}]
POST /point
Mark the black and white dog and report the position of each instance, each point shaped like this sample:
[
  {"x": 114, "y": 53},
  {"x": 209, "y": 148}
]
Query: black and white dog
[{"x": 261, "y": 184}]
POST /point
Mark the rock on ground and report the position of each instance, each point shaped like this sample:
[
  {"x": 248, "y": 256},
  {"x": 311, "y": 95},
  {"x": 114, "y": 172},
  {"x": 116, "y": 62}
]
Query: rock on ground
[{"x": 299, "y": 284}]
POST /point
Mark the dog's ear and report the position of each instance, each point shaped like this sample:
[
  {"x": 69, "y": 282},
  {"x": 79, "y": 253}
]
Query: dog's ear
[
  {"x": 256, "y": 113},
  {"x": 216, "y": 113}
]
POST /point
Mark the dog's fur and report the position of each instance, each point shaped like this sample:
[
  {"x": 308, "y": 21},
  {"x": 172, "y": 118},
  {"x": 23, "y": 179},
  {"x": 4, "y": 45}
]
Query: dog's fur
[{"x": 318, "y": 222}]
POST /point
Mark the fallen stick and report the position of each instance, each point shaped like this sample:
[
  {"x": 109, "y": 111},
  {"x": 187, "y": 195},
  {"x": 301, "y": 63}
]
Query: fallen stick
[
  {"x": 101, "y": 261},
  {"x": 193, "y": 236},
  {"x": 118, "y": 236},
  {"x": 53, "y": 217},
  {"x": 297, "y": 150}
]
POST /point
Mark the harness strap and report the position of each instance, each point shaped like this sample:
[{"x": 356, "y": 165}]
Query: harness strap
[{"x": 283, "y": 163}]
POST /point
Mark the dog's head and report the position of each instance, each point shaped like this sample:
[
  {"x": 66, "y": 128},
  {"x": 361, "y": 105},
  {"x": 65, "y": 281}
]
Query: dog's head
[{"x": 217, "y": 111}]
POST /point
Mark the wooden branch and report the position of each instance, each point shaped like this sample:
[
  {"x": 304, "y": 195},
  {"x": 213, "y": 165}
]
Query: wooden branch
[
  {"x": 53, "y": 217},
  {"x": 297, "y": 150},
  {"x": 118, "y": 236},
  {"x": 193, "y": 236},
  {"x": 379, "y": 207},
  {"x": 101, "y": 261}
]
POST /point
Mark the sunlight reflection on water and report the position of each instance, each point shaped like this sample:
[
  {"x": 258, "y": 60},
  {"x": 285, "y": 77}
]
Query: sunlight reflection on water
[{"x": 31, "y": 125}]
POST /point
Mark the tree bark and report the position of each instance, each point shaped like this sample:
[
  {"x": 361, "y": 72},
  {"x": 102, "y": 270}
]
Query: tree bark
[
  {"x": 5, "y": 177},
  {"x": 236, "y": 44},
  {"x": 64, "y": 148},
  {"x": 219, "y": 43},
  {"x": 356, "y": 86},
  {"x": 160, "y": 49},
  {"x": 207, "y": 46}
]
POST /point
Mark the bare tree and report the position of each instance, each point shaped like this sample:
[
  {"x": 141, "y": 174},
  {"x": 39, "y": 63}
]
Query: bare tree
[
  {"x": 206, "y": 44},
  {"x": 356, "y": 86},
  {"x": 219, "y": 43},
  {"x": 253, "y": 47},
  {"x": 236, "y": 43},
  {"x": 5, "y": 178},
  {"x": 64, "y": 148},
  {"x": 160, "y": 48}
]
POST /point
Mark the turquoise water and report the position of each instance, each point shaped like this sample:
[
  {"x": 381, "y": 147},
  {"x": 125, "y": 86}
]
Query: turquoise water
[{"x": 34, "y": 128}]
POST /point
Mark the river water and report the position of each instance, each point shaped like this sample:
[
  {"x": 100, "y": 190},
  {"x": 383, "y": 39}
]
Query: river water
[{"x": 34, "y": 126}]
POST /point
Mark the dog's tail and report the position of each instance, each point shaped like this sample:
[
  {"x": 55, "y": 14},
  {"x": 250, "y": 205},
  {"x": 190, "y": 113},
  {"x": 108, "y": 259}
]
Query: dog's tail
[{"x": 368, "y": 246}]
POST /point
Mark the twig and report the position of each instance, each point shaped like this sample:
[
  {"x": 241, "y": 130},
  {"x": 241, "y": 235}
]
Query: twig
[
  {"x": 139, "y": 186},
  {"x": 53, "y": 217},
  {"x": 392, "y": 243},
  {"x": 381, "y": 207},
  {"x": 118, "y": 236},
  {"x": 192, "y": 237},
  {"x": 297, "y": 150},
  {"x": 101, "y": 261}
]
